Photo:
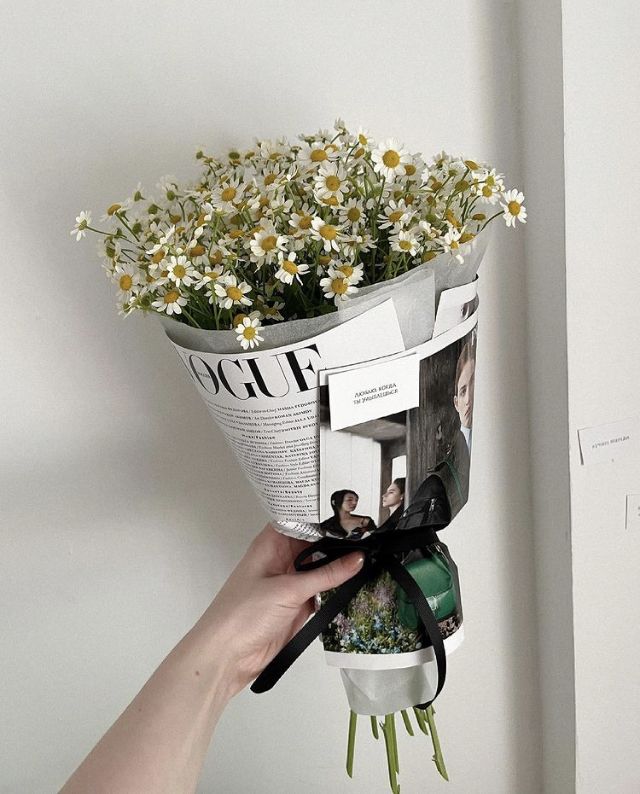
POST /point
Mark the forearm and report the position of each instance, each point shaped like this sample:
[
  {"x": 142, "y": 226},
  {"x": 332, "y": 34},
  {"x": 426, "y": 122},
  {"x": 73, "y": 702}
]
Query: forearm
[{"x": 159, "y": 743}]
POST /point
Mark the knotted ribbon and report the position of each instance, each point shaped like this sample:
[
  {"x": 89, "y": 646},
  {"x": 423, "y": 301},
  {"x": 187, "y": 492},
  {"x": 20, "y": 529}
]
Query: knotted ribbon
[{"x": 380, "y": 551}]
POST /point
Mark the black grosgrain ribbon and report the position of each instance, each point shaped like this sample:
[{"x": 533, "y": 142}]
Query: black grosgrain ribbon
[{"x": 381, "y": 550}]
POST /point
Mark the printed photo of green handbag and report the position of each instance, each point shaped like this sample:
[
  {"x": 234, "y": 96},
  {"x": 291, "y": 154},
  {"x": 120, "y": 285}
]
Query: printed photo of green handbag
[{"x": 433, "y": 576}]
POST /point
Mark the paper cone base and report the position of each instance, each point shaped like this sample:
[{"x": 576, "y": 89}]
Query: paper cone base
[{"x": 380, "y": 692}]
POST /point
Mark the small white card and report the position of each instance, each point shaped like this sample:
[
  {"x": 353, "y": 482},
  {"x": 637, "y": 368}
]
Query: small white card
[
  {"x": 633, "y": 512},
  {"x": 373, "y": 390},
  {"x": 611, "y": 442}
]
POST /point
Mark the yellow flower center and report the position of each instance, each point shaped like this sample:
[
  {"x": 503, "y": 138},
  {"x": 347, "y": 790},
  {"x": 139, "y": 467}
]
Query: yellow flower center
[
  {"x": 171, "y": 296},
  {"x": 471, "y": 165},
  {"x": 330, "y": 201},
  {"x": 358, "y": 152},
  {"x": 235, "y": 233},
  {"x": 290, "y": 267},
  {"x": 404, "y": 245},
  {"x": 435, "y": 184},
  {"x": 332, "y": 182},
  {"x": 490, "y": 180},
  {"x": 234, "y": 293},
  {"x": 305, "y": 222},
  {"x": 158, "y": 257},
  {"x": 125, "y": 282},
  {"x": 339, "y": 286},
  {"x": 249, "y": 332},
  {"x": 318, "y": 155},
  {"x": 175, "y": 218},
  {"x": 228, "y": 194},
  {"x": 216, "y": 258},
  {"x": 464, "y": 238},
  {"x": 354, "y": 214},
  {"x": 428, "y": 256},
  {"x": 410, "y": 169},
  {"x": 268, "y": 243},
  {"x": 514, "y": 207},
  {"x": 486, "y": 191},
  {"x": 328, "y": 232},
  {"x": 179, "y": 271},
  {"x": 347, "y": 270},
  {"x": 269, "y": 179},
  {"x": 237, "y": 320},
  {"x": 324, "y": 260},
  {"x": 450, "y": 216},
  {"x": 454, "y": 244},
  {"x": 197, "y": 250},
  {"x": 113, "y": 209},
  {"x": 479, "y": 216},
  {"x": 210, "y": 274},
  {"x": 362, "y": 139},
  {"x": 395, "y": 216},
  {"x": 391, "y": 158},
  {"x": 409, "y": 198}
]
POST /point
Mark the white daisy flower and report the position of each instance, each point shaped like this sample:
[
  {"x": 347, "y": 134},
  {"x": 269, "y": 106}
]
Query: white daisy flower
[
  {"x": 405, "y": 241},
  {"x": 227, "y": 197},
  {"x": 390, "y": 158},
  {"x": 270, "y": 179},
  {"x": 301, "y": 221},
  {"x": 209, "y": 275},
  {"x": 352, "y": 243},
  {"x": 327, "y": 233},
  {"x": 337, "y": 286},
  {"x": 181, "y": 271},
  {"x": 395, "y": 214},
  {"x": 127, "y": 277},
  {"x": 331, "y": 182},
  {"x": 170, "y": 301},
  {"x": 117, "y": 209},
  {"x": 316, "y": 153},
  {"x": 488, "y": 186},
  {"x": 288, "y": 269},
  {"x": 353, "y": 273},
  {"x": 82, "y": 221},
  {"x": 248, "y": 333},
  {"x": 230, "y": 293},
  {"x": 451, "y": 243},
  {"x": 513, "y": 208},
  {"x": 266, "y": 244},
  {"x": 353, "y": 213}
]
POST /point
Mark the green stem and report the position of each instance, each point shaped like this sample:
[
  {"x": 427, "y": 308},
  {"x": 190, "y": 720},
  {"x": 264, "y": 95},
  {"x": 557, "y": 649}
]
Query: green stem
[
  {"x": 391, "y": 766},
  {"x": 407, "y": 722},
  {"x": 437, "y": 757},
  {"x": 395, "y": 743},
  {"x": 374, "y": 727},
  {"x": 420, "y": 719},
  {"x": 353, "y": 720}
]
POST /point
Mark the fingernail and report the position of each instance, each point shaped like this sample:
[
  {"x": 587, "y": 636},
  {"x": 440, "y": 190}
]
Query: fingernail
[{"x": 358, "y": 560}]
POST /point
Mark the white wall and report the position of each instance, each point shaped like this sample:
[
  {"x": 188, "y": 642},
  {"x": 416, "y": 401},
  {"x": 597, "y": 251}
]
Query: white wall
[
  {"x": 123, "y": 512},
  {"x": 542, "y": 128},
  {"x": 602, "y": 129}
]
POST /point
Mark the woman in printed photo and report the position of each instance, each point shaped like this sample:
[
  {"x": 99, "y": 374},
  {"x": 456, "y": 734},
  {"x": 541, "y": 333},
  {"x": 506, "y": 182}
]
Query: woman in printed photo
[
  {"x": 393, "y": 500},
  {"x": 344, "y": 523}
]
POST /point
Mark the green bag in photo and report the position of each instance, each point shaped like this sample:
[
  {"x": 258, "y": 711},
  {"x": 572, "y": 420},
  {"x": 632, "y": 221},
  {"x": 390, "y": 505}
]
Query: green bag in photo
[{"x": 434, "y": 578}]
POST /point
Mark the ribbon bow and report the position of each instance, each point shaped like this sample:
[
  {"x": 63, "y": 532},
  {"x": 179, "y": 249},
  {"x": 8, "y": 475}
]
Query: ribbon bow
[{"x": 380, "y": 551}]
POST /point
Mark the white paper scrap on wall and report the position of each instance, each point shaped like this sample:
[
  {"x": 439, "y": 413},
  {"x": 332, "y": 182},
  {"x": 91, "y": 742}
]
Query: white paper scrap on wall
[{"x": 611, "y": 442}]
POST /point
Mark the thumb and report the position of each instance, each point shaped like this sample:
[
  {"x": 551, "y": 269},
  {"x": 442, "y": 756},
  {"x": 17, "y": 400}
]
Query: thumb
[{"x": 328, "y": 576}]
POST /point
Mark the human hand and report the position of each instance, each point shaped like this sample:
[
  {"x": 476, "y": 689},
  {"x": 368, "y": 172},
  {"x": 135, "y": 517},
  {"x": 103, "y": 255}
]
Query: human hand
[{"x": 266, "y": 601}]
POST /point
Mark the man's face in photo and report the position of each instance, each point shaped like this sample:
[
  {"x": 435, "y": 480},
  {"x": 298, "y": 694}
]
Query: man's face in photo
[{"x": 463, "y": 399}]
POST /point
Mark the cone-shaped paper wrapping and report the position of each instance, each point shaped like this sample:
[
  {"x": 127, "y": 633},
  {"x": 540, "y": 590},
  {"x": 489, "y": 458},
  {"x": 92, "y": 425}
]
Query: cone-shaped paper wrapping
[{"x": 275, "y": 435}]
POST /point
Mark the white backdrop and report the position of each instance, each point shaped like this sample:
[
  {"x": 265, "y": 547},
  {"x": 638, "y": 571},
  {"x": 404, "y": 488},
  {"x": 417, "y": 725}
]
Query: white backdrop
[{"x": 122, "y": 510}]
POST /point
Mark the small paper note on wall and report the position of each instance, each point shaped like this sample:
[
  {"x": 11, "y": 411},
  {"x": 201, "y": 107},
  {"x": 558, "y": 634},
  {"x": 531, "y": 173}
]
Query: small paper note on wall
[{"x": 611, "y": 442}]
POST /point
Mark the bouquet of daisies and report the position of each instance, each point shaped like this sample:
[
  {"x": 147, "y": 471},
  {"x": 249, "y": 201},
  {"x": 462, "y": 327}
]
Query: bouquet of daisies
[{"x": 278, "y": 269}]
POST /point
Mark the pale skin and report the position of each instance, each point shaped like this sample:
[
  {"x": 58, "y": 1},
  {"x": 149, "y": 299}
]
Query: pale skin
[
  {"x": 347, "y": 520},
  {"x": 158, "y": 744},
  {"x": 392, "y": 498}
]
